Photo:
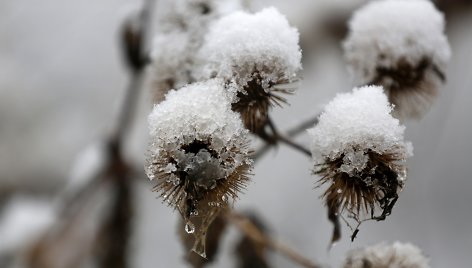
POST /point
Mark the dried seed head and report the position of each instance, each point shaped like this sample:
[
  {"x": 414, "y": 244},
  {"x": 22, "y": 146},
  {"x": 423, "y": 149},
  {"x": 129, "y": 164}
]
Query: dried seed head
[
  {"x": 182, "y": 27},
  {"x": 399, "y": 44},
  {"x": 259, "y": 53},
  {"x": 358, "y": 149},
  {"x": 199, "y": 152},
  {"x": 398, "y": 255}
]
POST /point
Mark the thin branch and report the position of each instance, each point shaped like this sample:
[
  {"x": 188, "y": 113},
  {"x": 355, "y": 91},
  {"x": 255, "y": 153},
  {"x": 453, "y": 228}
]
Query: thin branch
[
  {"x": 304, "y": 125},
  {"x": 291, "y": 133},
  {"x": 278, "y": 137},
  {"x": 245, "y": 225}
]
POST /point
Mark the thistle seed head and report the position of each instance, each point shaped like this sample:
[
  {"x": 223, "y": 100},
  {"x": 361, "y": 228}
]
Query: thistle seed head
[
  {"x": 398, "y": 255},
  {"x": 359, "y": 152},
  {"x": 199, "y": 153},
  {"x": 259, "y": 53},
  {"x": 400, "y": 45}
]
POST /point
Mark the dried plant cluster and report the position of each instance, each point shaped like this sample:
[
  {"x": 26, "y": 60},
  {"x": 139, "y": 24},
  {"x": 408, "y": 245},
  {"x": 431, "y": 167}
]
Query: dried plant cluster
[
  {"x": 199, "y": 152},
  {"x": 221, "y": 69}
]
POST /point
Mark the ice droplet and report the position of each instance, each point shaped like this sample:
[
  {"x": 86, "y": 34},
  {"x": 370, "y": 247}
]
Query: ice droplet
[
  {"x": 224, "y": 198},
  {"x": 189, "y": 228},
  {"x": 339, "y": 191},
  {"x": 194, "y": 213}
]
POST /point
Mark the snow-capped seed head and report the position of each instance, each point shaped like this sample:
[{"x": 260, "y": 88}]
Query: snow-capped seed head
[
  {"x": 398, "y": 255},
  {"x": 401, "y": 45},
  {"x": 181, "y": 33},
  {"x": 198, "y": 145},
  {"x": 199, "y": 151},
  {"x": 359, "y": 150},
  {"x": 256, "y": 51}
]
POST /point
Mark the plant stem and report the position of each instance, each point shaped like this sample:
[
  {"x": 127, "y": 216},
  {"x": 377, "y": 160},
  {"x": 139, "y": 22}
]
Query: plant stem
[
  {"x": 286, "y": 138},
  {"x": 246, "y": 226}
]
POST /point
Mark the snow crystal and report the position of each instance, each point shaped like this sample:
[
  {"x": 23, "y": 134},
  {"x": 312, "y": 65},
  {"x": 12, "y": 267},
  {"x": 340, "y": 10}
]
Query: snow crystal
[
  {"x": 199, "y": 113},
  {"x": 400, "y": 255},
  {"x": 352, "y": 124},
  {"x": 384, "y": 32},
  {"x": 241, "y": 44}
]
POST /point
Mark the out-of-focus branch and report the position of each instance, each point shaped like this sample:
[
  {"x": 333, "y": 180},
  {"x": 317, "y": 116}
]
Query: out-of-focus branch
[
  {"x": 134, "y": 37},
  {"x": 113, "y": 225},
  {"x": 246, "y": 226},
  {"x": 115, "y": 233}
]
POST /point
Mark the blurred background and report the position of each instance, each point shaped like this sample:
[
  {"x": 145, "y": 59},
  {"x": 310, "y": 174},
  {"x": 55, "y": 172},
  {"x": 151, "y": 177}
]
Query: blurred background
[{"x": 62, "y": 80}]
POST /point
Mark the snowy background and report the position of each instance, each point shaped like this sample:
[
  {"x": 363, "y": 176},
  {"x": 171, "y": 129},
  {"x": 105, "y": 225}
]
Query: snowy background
[{"x": 62, "y": 79}]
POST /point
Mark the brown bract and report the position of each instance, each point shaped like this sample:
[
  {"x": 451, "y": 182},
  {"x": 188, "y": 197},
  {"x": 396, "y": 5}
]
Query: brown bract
[
  {"x": 199, "y": 195},
  {"x": 254, "y": 101},
  {"x": 362, "y": 194},
  {"x": 411, "y": 88}
]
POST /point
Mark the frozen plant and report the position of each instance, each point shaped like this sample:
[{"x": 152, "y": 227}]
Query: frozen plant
[
  {"x": 259, "y": 52},
  {"x": 199, "y": 152},
  {"x": 401, "y": 45},
  {"x": 217, "y": 72},
  {"x": 359, "y": 151},
  {"x": 396, "y": 255}
]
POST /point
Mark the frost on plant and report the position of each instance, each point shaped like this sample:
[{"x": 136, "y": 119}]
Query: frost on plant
[
  {"x": 259, "y": 52},
  {"x": 398, "y": 255},
  {"x": 199, "y": 152},
  {"x": 401, "y": 45},
  {"x": 180, "y": 35},
  {"x": 359, "y": 152}
]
